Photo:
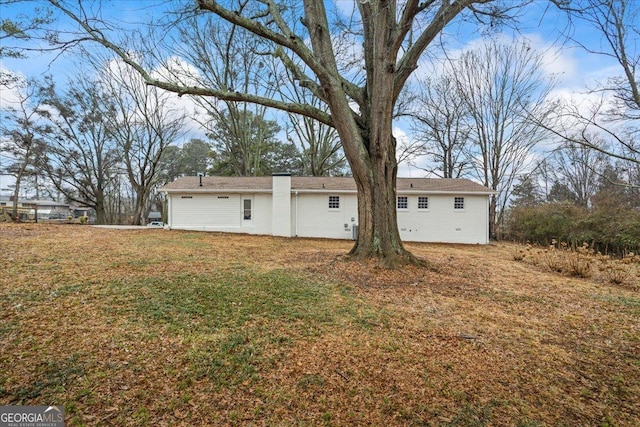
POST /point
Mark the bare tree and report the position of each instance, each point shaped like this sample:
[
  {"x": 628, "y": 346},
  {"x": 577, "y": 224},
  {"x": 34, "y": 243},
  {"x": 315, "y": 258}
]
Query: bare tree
[
  {"x": 21, "y": 132},
  {"x": 614, "y": 116},
  {"x": 82, "y": 155},
  {"x": 321, "y": 152},
  {"x": 588, "y": 127},
  {"x": 393, "y": 36},
  {"x": 617, "y": 23},
  {"x": 441, "y": 120},
  {"x": 503, "y": 87},
  {"x": 144, "y": 124},
  {"x": 579, "y": 168},
  {"x": 232, "y": 58}
]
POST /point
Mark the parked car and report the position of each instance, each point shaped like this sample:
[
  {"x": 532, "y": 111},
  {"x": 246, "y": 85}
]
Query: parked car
[{"x": 156, "y": 224}]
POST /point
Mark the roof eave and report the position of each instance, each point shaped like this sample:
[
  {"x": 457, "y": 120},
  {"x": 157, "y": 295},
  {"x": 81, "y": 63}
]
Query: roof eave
[{"x": 213, "y": 190}]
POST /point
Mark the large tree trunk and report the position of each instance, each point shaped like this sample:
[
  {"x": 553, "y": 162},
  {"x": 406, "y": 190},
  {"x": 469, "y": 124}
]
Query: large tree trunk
[
  {"x": 141, "y": 200},
  {"x": 378, "y": 235},
  {"x": 14, "y": 206},
  {"x": 101, "y": 212},
  {"x": 137, "y": 212},
  {"x": 366, "y": 135},
  {"x": 16, "y": 190}
]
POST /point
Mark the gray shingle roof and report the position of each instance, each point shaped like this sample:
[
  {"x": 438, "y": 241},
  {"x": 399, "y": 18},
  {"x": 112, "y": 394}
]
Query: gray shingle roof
[{"x": 308, "y": 183}]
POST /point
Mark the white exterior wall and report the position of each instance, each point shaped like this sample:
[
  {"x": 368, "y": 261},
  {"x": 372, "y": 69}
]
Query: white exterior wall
[
  {"x": 442, "y": 223},
  {"x": 313, "y": 218},
  {"x": 220, "y": 212},
  {"x": 281, "y": 208},
  {"x": 307, "y": 214},
  {"x": 262, "y": 214}
]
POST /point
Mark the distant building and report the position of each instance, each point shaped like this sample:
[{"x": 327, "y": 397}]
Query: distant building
[{"x": 44, "y": 209}]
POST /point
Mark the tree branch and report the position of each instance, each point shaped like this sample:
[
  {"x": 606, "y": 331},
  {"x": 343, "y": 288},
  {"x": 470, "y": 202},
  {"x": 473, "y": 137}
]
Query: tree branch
[
  {"x": 225, "y": 95},
  {"x": 408, "y": 63}
]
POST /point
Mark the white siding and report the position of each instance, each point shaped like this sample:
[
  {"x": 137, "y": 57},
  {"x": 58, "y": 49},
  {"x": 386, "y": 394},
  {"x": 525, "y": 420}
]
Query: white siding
[
  {"x": 220, "y": 212},
  {"x": 315, "y": 219},
  {"x": 262, "y": 215},
  {"x": 309, "y": 215},
  {"x": 205, "y": 210},
  {"x": 442, "y": 223}
]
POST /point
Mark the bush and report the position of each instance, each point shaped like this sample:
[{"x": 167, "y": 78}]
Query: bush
[
  {"x": 608, "y": 229},
  {"x": 579, "y": 261}
]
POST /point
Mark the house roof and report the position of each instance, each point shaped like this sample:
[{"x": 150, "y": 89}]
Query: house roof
[
  {"x": 319, "y": 184},
  {"x": 44, "y": 203}
]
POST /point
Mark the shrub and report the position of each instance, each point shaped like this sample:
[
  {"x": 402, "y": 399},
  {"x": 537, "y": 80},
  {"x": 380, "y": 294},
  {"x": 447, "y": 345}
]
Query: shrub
[
  {"x": 609, "y": 229},
  {"x": 579, "y": 261},
  {"x": 617, "y": 271},
  {"x": 553, "y": 258}
]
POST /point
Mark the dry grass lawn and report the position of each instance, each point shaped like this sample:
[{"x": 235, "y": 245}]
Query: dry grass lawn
[{"x": 170, "y": 328}]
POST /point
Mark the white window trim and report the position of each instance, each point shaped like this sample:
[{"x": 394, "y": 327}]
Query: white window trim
[
  {"x": 464, "y": 204},
  {"x": 329, "y": 203},
  {"x": 398, "y": 203},
  {"x": 250, "y": 209},
  {"x": 428, "y": 204}
]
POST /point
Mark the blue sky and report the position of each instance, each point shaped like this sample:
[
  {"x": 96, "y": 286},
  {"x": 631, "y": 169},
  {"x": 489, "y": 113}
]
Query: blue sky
[
  {"x": 575, "y": 68},
  {"x": 540, "y": 24}
]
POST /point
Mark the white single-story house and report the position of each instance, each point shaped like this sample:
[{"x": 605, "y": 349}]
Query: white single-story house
[{"x": 429, "y": 209}]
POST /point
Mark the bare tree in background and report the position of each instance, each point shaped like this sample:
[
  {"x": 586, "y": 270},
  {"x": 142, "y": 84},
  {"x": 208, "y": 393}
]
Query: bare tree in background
[
  {"x": 82, "y": 157},
  {"x": 144, "y": 124},
  {"x": 321, "y": 151},
  {"x": 503, "y": 87},
  {"x": 21, "y": 132},
  {"x": 441, "y": 120},
  {"x": 579, "y": 168},
  {"x": 230, "y": 57}
]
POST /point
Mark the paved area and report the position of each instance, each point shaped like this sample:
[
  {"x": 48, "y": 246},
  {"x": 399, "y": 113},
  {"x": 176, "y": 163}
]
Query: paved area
[{"x": 126, "y": 227}]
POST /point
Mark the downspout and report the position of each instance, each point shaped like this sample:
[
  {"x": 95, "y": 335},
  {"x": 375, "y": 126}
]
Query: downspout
[
  {"x": 169, "y": 211},
  {"x": 486, "y": 213},
  {"x": 296, "y": 215}
]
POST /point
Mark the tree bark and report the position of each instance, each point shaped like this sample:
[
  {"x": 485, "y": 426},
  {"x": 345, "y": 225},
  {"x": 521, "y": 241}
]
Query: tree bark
[
  {"x": 375, "y": 167},
  {"x": 101, "y": 213},
  {"x": 378, "y": 235}
]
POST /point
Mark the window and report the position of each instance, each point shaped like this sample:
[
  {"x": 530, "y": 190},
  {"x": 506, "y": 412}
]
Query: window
[
  {"x": 246, "y": 209},
  {"x": 403, "y": 202},
  {"x": 423, "y": 202},
  {"x": 458, "y": 203},
  {"x": 334, "y": 202}
]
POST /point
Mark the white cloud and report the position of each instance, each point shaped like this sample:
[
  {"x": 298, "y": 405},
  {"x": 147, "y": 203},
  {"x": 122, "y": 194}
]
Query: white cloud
[
  {"x": 10, "y": 84},
  {"x": 414, "y": 166}
]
